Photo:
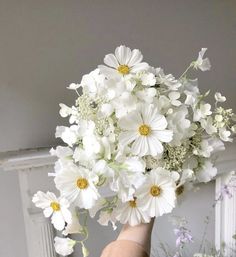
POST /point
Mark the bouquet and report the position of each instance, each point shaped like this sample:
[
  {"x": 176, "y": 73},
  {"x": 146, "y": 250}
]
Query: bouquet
[{"x": 143, "y": 135}]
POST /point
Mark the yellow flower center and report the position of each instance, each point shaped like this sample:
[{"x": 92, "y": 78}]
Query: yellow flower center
[
  {"x": 123, "y": 69},
  {"x": 144, "y": 130},
  {"x": 55, "y": 206},
  {"x": 82, "y": 183},
  {"x": 179, "y": 190},
  {"x": 132, "y": 204},
  {"x": 155, "y": 191}
]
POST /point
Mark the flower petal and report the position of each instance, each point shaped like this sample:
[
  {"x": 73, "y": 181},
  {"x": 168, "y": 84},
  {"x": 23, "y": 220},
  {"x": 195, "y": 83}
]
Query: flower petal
[
  {"x": 136, "y": 57},
  {"x": 142, "y": 66},
  {"x": 163, "y": 135},
  {"x": 111, "y": 61},
  {"x": 123, "y": 54},
  {"x": 128, "y": 137},
  {"x": 140, "y": 146},
  {"x": 155, "y": 146}
]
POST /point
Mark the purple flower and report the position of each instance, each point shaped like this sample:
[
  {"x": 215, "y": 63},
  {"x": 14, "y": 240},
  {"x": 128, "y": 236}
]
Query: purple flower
[
  {"x": 226, "y": 191},
  {"x": 183, "y": 236}
]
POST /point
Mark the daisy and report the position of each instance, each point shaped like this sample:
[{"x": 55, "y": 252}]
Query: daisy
[
  {"x": 157, "y": 196},
  {"x": 123, "y": 62},
  {"x": 130, "y": 212},
  {"x": 78, "y": 186},
  {"x": 146, "y": 130},
  {"x": 55, "y": 207}
]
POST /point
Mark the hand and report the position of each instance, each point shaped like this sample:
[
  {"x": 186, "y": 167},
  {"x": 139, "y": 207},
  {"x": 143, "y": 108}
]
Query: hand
[{"x": 140, "y": 234}]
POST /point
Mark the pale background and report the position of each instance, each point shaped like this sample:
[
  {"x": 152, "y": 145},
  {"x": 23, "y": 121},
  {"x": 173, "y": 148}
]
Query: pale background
[{"x": 45, "y": 45}]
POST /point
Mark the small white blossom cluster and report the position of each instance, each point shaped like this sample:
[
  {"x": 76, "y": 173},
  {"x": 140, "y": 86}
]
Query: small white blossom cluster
[{"x": 144, "y": 134}]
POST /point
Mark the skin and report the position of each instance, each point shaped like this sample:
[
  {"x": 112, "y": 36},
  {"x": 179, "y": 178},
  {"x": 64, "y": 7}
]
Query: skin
[{"x": 140, "y": 234}]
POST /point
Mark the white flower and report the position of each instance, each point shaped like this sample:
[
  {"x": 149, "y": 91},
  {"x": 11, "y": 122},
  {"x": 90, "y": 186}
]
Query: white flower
[
  {"x": 146, "y": 130},
  {"x": 179, "y": 125},
  {"x": 225, "y": 135},
  {"x": 147, "y": 94},
  {"x": 131, "y": 213},
  {"x": 219, "y": 97},
  {"x": 203, "y": 111},
  {"x": 148, "y": 79},
  {"x": 123, "y": 63},
  {"x": 106, "y": 110},
  {"x": 124, "y": 104},
  {"x": 207, "y": 124},
  {"x": 157, "y": 196},
  {"x": 74, "y": 86},
  {"x": 127, "y": 178},
  {"x": 64, "y": 246},
  {"x": 93, "y": 83},
  {"x": 233, "y": 128},
  {"x": 61, "y": 151},
  {"x": 186, "y": 176},
  {"x": 206, "y": 173},
  {"x": 65, "y": 110},
  {"x": 200, "y": 63},
  {"x": 167, "y": 80},
  {"x": 78, "y": 186},
  {"x": 68, "y": 134},
  {"x": 74, "y": 227},
  {"x": 54, "y": 207},
  {"x": 174, "y": 96},
  {"x": 100, "y": 203},
  {"x": 92, "y": 145},
  {"x": 205, "y": 149},
  {"x": 191, "y": 91},
  {"x": 107, "y": 216}
]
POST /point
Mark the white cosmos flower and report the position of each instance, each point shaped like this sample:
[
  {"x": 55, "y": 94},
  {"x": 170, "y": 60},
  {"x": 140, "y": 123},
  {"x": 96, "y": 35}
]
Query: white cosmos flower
[
  {"x": 131, "y": 213},
  {"x": 123, "y": 63},
  {"x": 78, "y": 186},
  {"x": 200, "y": 63},
  {"x": 55, "y": 207},
  {"x": 219, "y": 97},
  {"x": 157, "y": 196},
  {"x": 64, "y": 246},
  {"x": 146, "y": 130}
]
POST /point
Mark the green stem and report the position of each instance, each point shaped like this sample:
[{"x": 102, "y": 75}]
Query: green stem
[{"x": 185, "y": 72}]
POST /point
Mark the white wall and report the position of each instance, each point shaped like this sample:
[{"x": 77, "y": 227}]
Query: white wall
[
  {"x": 45, "y": 45},
  {"x": 12, "y": 233}
]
